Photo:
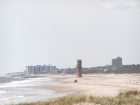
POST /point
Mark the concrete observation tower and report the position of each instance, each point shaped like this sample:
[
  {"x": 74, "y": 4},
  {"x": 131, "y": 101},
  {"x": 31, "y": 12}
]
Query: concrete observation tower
[{"x": 79, "y": 68}]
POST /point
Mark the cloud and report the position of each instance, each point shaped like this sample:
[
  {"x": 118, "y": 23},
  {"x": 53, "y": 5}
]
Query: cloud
[{"x": 120, "y": 4}]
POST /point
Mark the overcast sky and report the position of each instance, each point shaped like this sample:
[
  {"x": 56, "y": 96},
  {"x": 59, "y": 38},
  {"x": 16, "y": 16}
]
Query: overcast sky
[{"x": 58, "y": 32}]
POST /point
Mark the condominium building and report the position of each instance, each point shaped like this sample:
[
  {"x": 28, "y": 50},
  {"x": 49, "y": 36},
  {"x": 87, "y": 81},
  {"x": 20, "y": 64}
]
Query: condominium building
[
  {"x": 39, "y": 69},
  {"x": 117, "y": 63}
]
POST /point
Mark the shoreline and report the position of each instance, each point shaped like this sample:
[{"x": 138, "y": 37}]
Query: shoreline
[
  {"x": 97, "y": 85},
  {"x": 100, "y": 88},
  {"x": 94, "y": 84},
  {"x": 61, "y": 87}
]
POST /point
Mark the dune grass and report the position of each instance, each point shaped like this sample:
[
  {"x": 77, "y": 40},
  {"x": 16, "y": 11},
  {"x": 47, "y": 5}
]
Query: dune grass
[{"x": 124, "y": 98}]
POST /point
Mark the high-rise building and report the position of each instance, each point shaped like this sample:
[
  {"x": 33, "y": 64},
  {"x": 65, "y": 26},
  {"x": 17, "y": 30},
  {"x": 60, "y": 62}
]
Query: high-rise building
[
  {"x": 117, "y": 63},
  {"x": 79, "y": 68}
]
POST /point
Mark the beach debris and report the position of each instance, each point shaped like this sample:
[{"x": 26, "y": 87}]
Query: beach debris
[{"x": 75, "y": 81}]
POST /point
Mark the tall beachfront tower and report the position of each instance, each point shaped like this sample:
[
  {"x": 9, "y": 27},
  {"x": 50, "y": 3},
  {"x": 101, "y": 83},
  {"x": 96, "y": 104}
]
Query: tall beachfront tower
[
  {"x": 79, "y": 68},
  {"x": 117, "y": 63}
]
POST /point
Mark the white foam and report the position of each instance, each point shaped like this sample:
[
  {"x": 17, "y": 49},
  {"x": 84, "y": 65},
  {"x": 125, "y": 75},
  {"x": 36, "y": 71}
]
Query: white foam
[
  {"x": 28, "y": 82},
  {"x": 1, "y": 91},
  {"x": 4, "y": 99},
  {"x": 20, "y": 91},
  {"x": 11, "y": 98}
]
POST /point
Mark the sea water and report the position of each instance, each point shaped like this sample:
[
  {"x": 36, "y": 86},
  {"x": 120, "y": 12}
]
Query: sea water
[{"x": 17, "y": 90}]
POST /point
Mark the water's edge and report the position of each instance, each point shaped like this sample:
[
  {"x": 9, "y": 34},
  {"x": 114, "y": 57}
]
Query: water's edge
[{"x": 21, "y": 90}]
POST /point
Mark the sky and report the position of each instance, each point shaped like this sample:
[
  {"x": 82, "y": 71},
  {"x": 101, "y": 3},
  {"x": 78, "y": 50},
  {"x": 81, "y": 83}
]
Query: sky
[{"x": 58, "y": 32}]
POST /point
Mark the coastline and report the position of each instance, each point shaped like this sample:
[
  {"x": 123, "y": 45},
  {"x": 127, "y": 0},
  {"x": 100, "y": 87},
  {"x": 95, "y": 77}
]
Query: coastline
[
  {"x": 14, "y": 91},
  {"x": 108, "y": 85},
  {"x": 51, "y": 87}
]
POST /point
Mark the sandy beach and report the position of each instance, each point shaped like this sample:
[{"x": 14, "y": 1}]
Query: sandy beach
[{"x": 95, "y": 84}]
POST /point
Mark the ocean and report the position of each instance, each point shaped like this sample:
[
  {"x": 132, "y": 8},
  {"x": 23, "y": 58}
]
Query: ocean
[{"x": 18, "y": 90}]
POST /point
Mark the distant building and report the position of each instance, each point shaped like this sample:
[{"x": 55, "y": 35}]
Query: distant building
[
  {"x": 117, "y": 63},
  {"x": 14, "y": 74},
  {"x": 40, "y": 69}
]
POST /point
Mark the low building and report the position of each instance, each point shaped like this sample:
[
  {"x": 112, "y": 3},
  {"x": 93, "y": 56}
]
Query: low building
[{"x": 39, "y": 69}]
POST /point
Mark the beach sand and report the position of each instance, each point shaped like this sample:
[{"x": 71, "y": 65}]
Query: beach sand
[{"x": 95, "y": 84}]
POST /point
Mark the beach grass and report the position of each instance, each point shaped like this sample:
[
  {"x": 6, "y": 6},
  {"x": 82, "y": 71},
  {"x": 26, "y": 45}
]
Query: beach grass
[{"x": 123, "y": 98}]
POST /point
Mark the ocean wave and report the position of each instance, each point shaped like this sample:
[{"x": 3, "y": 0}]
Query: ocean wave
[
  {"x": 22, "y": 91},
  {"x": 28, "y": 82},
  {"x": 1, "y": 91}
]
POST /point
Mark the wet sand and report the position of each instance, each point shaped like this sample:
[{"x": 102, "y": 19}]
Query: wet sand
[{"x": 95, "y": 84}]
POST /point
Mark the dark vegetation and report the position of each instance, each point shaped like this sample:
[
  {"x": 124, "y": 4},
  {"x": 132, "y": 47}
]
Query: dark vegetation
[{"x": 108, "y": 69}]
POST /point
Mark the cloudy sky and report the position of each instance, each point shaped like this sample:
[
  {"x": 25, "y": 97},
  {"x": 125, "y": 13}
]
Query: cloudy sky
[{"x": 58, "y": 32}]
